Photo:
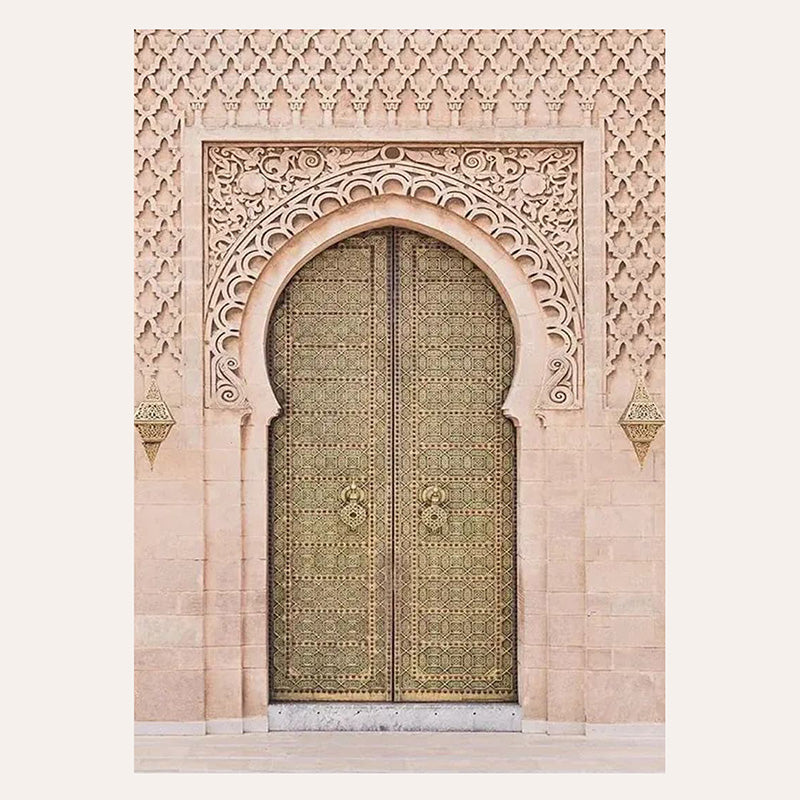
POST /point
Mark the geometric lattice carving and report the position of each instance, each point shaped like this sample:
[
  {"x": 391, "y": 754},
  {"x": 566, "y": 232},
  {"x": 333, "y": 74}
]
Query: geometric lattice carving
[
  {"x": 157, "y": 203},
  {"x": 641, "y": 420},
  {"x": 391, "y": 355},
  {"x": 526, "y": 197},
  {"x": 630, "y": 100},
  {"x": 417, "y": 78}
]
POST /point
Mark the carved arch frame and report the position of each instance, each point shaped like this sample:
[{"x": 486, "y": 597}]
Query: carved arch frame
[
  {"x": 517, "y": 292},
  {"x": 526, "y": 196},
  {"x": 530, "y": 331},
  {"x": 238, "y": 484}
]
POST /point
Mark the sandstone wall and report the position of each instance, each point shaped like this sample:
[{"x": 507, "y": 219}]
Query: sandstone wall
[{"x": 596, "y": 549}]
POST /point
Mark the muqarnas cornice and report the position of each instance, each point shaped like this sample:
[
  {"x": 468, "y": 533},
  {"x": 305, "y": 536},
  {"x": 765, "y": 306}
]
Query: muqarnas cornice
[{"x": 525, "y": 196}]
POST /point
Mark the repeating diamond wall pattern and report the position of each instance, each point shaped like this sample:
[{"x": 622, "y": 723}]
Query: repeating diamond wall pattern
[
  {"x": 392, "y": 478},
  {"x": 613, "y": 79}
]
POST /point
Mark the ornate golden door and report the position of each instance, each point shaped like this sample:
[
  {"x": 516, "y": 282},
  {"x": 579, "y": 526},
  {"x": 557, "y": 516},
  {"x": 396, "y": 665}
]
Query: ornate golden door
[{"x": 392, "y": 478}]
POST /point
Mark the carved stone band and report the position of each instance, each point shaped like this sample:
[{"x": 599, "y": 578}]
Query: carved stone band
[{"x": 525, "y": 196}]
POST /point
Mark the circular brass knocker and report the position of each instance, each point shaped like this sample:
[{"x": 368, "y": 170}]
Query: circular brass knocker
[
  {"x": 352, "y": 513},
  {"x": 433, "y": 515}
]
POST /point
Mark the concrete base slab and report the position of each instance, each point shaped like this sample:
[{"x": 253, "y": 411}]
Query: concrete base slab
[{"x": 394, "y": 717}]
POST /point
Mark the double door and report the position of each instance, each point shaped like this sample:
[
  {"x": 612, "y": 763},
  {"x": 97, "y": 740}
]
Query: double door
[{"x": 392, "y": 478}]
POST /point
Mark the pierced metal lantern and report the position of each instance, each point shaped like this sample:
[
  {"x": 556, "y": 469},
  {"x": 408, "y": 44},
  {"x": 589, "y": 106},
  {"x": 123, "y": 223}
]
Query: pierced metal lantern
[
  {"x": 153, "y": 420},
  {"x": 641, "y": 420}
]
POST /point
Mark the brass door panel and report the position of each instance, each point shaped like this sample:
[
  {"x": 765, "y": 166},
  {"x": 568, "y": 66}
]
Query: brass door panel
[
  {"x": 330, "y": 595},
  {"x": 392, "y": 478},
  {"x": 454, "y": 608}
]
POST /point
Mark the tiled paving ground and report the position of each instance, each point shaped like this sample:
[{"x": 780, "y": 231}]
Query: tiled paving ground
[{"x": 396, "y": 752}]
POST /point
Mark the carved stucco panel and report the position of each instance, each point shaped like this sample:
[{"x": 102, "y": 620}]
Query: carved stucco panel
[
  {"x": 526, "y": 197},
  {"x": 612, "y": 79}
]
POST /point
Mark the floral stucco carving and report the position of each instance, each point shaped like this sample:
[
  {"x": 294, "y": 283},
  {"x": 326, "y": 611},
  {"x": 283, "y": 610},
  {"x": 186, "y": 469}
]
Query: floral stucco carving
[
  {"x": 527, "y": 197},
  {"x": 612, "y": 79}
]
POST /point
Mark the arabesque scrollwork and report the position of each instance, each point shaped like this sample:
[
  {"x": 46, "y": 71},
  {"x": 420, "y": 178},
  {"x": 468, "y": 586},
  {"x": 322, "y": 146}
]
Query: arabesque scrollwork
[{"x": 526, "y": 197}]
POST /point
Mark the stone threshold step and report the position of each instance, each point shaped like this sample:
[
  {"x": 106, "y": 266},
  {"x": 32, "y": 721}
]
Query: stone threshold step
[{"x": 395, "y": 717}]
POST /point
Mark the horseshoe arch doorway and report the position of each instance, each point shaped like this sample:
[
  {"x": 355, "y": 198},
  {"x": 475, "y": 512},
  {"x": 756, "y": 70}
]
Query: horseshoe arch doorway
[{"x": 392, "y": 525}]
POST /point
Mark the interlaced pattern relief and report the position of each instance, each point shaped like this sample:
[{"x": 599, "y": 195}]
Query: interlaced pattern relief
[
  {"x": 438, "y": 78},
  {"x": 527, "y": 197}
]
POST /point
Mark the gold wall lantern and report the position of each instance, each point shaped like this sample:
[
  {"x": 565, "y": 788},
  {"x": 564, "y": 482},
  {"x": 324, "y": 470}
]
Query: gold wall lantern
[
  {"x": 153, "y": 420},
  {"x": 641, "y": 420}
]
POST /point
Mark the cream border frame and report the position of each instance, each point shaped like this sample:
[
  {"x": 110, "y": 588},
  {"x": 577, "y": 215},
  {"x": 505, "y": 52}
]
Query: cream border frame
[{"x": 234, "y": 440}]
